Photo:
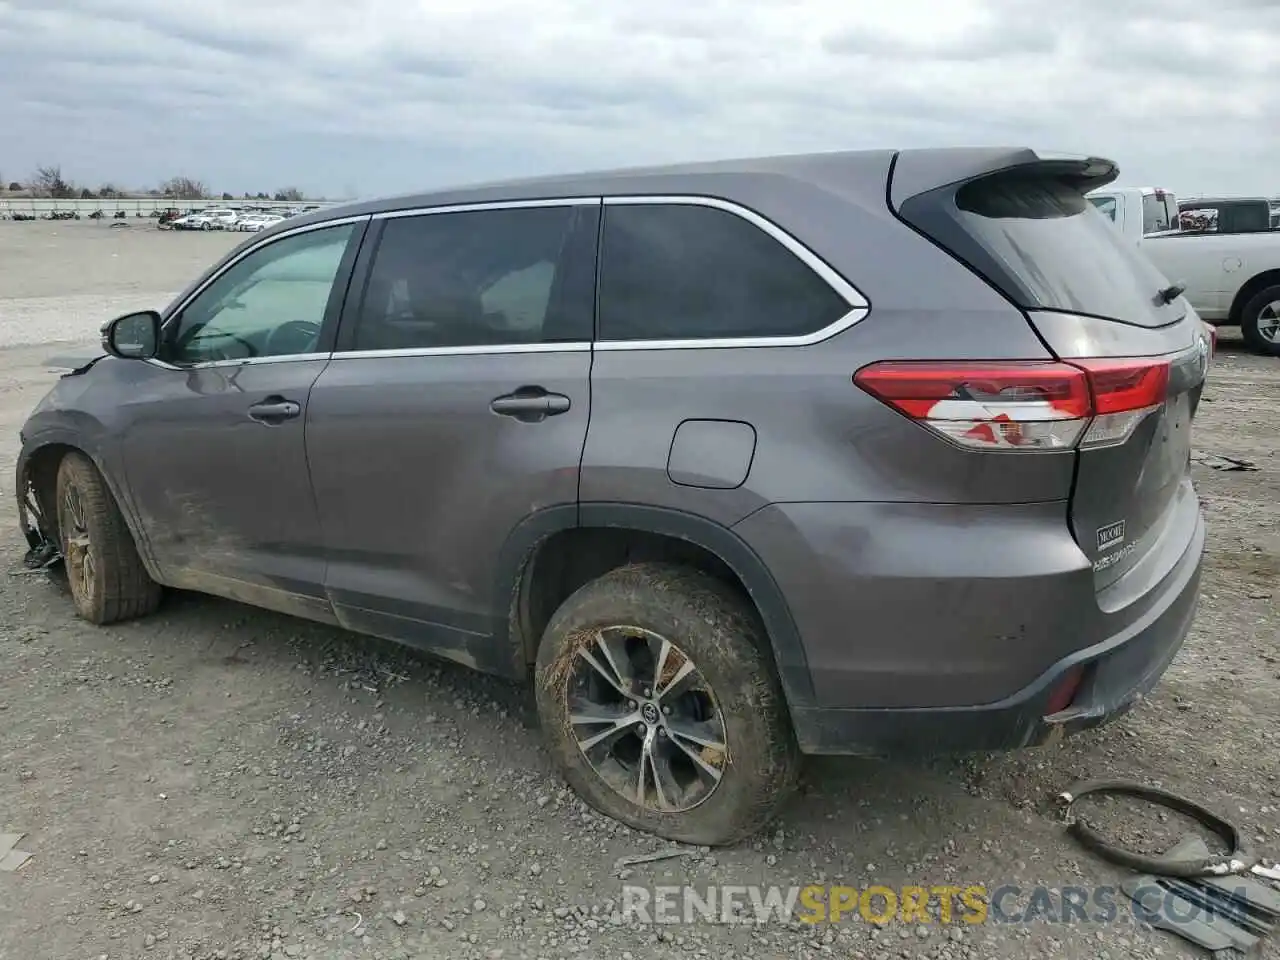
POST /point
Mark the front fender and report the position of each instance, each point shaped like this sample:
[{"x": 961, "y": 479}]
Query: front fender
[{"x": 50, "y": 429}]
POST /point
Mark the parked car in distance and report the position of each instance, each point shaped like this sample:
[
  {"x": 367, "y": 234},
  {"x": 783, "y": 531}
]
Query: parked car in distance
[
  {"x": 254, "y": 222},
  {"x": 189, "y": 220},
  {"x": 1226, "y": 258},
  {"x": 872, "y": 453},
  {"x": 220, "y": 219},
  {"x": 210, "y": 219}
]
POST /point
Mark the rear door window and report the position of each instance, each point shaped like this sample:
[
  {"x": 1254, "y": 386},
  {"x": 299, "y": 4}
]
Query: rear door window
[
  {"x": 479, "y": 278},
  {"x": 672, "y": 271},
  {"x": 1042, "y": 243}
]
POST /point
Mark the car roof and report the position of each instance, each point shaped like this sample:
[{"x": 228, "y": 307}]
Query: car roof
[{"x": 857, "y": 175}]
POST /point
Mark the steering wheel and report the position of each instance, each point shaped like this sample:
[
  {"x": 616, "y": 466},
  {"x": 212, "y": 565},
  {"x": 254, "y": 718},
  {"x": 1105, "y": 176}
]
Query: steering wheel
[{"x": 293, "y": 336}]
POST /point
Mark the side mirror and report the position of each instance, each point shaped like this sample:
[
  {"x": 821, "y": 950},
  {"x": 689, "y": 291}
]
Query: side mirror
[{"x": 135, "y": 336}]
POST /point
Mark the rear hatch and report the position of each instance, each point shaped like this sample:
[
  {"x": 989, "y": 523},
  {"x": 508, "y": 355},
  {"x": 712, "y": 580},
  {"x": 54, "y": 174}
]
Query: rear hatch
[{"x": 1101, "y": 307}]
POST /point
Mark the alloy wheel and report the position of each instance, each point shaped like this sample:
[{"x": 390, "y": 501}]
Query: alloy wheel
[
  {"x": 1269, "y": 322},
  {"x": 646, "y": 719},
  {"x": 81, "y": 569}
]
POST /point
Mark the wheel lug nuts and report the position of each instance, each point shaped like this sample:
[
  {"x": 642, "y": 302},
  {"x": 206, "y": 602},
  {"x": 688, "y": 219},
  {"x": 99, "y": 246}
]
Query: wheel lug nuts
[
  {"x": 666, "y": 710},
  {"x": 641, "y": 728},
  {"x": 633, "y": 704},
  {"x": 648, "y": 692}
]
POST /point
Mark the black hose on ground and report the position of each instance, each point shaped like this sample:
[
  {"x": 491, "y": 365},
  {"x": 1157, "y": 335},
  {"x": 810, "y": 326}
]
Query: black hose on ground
[{"x": 1239, "y": 861}]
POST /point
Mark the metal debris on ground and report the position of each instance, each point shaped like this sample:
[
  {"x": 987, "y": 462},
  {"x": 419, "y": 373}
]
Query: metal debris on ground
[
  {"x": 1216, "y": 901},
  {"x": 652, "y": 857},
  {"x": 1217, "y": 461},
  {"x": 11, "y": 858}
]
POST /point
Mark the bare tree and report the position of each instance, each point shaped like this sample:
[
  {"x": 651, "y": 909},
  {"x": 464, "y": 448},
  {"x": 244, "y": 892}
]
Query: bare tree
[
  {"x": 184, "y": 188},
  {"x": 47, "y": 182},
  {"x": 292, "y": 194},
  {"x": 108, "y": 191}
]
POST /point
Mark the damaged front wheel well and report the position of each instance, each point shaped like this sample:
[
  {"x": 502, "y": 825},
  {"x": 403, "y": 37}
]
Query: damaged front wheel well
[{"x": 40, "y": 480}]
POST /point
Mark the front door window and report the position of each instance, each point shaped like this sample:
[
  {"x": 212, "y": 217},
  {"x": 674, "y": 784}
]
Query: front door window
[{"x": 272, "y": 303}]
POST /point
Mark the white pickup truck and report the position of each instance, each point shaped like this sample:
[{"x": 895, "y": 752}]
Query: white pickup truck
[{"x": 1230, "y": 278}]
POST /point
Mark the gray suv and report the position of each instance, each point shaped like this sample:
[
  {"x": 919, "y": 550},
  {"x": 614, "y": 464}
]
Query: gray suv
[{"x": 859, "y": 453}]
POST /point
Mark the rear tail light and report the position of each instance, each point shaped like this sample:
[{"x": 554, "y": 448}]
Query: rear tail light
[
  {"x": 1211, "y": 334},
  {"x": 1022, "y": 405}
]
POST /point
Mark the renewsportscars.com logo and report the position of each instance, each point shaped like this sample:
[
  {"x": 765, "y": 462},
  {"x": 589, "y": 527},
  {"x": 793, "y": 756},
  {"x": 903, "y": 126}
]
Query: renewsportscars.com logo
[{"x": 970, "y": 905}]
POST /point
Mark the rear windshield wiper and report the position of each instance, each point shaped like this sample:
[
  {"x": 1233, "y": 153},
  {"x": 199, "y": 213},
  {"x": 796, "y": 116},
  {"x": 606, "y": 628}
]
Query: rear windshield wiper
[{"x": 1169, "y": 294}]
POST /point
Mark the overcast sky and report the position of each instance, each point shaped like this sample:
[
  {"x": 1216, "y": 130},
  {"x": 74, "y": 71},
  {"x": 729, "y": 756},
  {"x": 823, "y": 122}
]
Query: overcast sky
[{"x": 378, "y": 96}]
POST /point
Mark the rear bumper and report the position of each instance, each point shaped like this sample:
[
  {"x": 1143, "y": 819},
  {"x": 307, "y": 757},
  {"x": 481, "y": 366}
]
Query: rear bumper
[{"x": 1123, "y": 654}]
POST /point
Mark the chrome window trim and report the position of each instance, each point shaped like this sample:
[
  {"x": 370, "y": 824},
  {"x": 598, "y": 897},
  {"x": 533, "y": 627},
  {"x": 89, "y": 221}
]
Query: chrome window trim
[
  {"x": 241, "y": 361},
  {"x": 489, "y": 205},
  {"x": 859, "y": 306},
  {"x": 483, "y": 349},
  {"x": 254, "y": 247},
  {"x": 858, "y": 303}
]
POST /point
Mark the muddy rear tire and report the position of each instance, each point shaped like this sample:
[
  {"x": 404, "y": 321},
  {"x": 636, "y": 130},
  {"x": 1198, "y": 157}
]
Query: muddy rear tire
[
  {"x": 661, "y": 705},
  {"x": 107, "y": 580}
]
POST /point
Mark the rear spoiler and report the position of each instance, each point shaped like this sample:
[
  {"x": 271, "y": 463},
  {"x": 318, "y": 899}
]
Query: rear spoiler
[{"x": 925, "y": 171}]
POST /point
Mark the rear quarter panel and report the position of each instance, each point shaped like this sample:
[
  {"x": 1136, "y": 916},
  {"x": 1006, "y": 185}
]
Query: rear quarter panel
[{"x": 819, "y": 436}]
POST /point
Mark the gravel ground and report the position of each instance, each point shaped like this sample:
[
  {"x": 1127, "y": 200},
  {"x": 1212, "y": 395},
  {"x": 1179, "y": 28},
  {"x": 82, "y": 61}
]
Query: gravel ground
[{"x": 219, "y": 782}]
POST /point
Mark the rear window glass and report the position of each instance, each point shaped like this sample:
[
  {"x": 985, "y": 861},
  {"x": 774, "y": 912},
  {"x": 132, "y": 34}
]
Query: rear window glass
[
  {"x": 1248, "y": 216},
  {"x": 1106, "y": 206},
  {"x": 1046, "y": 246},
  {"x": 686, "y": 271}
]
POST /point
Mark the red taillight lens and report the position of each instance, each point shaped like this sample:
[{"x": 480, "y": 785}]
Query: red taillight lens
[
  {"x": 1022, "y": 405},
  {"x": 1065, "y": 692},
  {"x": 1119, "y": 386},
  {"x": 1124, "y": 393}
]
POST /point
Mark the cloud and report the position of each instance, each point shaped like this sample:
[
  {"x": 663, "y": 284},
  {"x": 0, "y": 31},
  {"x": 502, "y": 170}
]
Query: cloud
[{"x": 393, "y": 95}]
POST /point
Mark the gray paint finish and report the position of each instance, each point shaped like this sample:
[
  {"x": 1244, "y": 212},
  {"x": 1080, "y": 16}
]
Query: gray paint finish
[
  {"x": 218, "y": 492},
  {"x": 715, "y": 454},
  {"x": 419, "y": 483},
  {"x": 900, "y": 574}
]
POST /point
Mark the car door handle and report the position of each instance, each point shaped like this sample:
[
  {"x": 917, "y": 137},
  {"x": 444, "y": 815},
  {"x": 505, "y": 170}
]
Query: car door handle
[
  {"x": 274, "y": 410},
  {"x": 530, "y": 404}
]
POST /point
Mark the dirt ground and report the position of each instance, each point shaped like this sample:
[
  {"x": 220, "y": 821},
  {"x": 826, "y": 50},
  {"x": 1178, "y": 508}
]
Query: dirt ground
[{"x": 218, "y": 782}]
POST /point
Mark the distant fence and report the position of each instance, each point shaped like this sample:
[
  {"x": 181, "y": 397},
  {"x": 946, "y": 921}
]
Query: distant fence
[{"x": 145, "y": 205}]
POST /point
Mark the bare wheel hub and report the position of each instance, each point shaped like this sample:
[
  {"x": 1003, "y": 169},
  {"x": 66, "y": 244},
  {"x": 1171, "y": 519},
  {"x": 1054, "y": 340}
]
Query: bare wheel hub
[{"x": 645, "y": 719}]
